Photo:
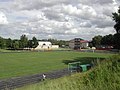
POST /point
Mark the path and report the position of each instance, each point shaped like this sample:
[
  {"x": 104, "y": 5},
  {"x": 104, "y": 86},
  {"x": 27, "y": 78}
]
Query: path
[{"x": 10, "y": 84}]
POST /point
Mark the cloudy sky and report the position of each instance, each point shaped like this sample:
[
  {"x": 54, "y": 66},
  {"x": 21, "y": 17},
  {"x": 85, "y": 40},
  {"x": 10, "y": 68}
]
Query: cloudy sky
[{"x": 59, "y": 19}]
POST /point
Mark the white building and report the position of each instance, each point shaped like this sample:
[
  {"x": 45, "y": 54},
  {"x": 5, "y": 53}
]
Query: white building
[
  {"x": 84, "y": 43},
  {"x": 45, "y": 45}
]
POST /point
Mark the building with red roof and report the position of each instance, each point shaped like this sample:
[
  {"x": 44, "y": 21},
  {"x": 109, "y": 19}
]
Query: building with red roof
[{"x": 78, "y": 43}]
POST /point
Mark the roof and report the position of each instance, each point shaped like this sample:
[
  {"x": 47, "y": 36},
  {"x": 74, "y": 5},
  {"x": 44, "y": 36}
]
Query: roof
[
  {"x": 84, "y": 41},
  {"x": 44, "y": 42},
  {"x": 78, "y": 39}
]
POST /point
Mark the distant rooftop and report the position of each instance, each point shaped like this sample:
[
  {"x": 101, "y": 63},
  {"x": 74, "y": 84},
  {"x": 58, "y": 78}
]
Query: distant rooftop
[{"x": 78, "y": 39}]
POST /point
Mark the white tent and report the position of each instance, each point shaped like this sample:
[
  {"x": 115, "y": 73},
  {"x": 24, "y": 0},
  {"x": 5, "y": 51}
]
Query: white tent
[{"x": 43, "y": 45}]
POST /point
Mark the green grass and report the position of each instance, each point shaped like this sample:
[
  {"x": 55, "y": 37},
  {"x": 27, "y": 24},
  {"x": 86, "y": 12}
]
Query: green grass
[
  {"x": 26, "y": 63},
  {"x": 105, "y": 76},
  {"x": 3, "y": 50}
]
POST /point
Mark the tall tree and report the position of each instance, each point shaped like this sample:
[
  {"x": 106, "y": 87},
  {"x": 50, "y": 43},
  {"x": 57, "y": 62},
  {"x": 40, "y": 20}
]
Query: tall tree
[
  {"x": 23, "y": 41},
  {"x": 34, "y": 42},
  {"x": 107, "y": 40},
  {"x": 15, "y": 44},
  {"x": 9, "y": 43},
  {"x": 117, "y": 41},
  {"x": 2, "y": 43},
  {"x": 30, "y": 44},
  {"x": 116, "y": 18},
  {"x": 97, "y": 40}
]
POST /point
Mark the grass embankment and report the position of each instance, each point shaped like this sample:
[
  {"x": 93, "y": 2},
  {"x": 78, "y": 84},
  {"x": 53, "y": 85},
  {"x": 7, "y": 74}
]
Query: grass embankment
[
  {"x": 27, "y": 63},
  {"x": 106, "y": 76}
]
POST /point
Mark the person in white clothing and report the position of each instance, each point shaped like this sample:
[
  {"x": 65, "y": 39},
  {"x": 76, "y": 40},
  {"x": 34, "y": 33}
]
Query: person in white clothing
[{"x": 44, "y": 77}]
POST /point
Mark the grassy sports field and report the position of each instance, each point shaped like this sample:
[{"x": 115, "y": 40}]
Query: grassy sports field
[
  {"x": 105, "y": 76},
  {"x": 26, "y": 63}
]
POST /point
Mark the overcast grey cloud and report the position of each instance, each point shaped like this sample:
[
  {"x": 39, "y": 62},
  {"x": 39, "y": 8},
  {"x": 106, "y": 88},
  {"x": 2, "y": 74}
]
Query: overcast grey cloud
[{"x": 60, "y": 19}]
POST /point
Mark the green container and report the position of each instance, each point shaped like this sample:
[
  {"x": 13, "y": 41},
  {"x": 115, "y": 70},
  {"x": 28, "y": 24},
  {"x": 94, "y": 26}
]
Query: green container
[
  {"x": 84, "y": 68},
  {"x": 75, "y": 66}
]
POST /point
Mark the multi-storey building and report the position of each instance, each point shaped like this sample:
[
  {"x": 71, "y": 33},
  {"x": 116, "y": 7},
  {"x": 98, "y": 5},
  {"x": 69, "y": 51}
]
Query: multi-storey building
[{"x": 78, "y": 43}]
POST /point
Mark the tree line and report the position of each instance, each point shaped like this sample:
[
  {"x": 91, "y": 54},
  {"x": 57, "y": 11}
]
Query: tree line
[
  {"x": 107, "y": 40},
  {"x": 23, "y": 43},
  {"x": 110, "y": 40}
]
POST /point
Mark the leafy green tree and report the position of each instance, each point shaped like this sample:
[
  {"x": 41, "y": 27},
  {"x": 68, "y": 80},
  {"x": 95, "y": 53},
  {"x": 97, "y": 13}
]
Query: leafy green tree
[
  {"x": 90, "y": 44},
  {"x": 30, "y": 44},
  {"x": 97, "y": 40},
  {"x": 117, "y": 41},
  {"x": 116, "y": 18},
  {"x": 53, "y": 41},
  {"x": 2, "y": 43},
  {"x": 107, "y": 40},
  {"x": 34, "y": 42},
  {"x": 9, "y": 43},
  {"x": 15, "y": 44},
  {"x": 1, "y": 40},
  {"x": 61, "y": 43},
  {"x": 23, "y": 41}
]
